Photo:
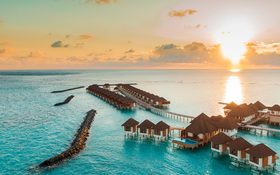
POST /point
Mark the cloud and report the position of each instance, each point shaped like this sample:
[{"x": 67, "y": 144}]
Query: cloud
[
  {"x": 59, "y": 44},
  {"x": 130, "y": 51},
  {"x": 4, "y": 43},
  {"x": 182, "y": 13},
  {"x": 2, "y": 51},
  {"x": 35, "y": 54},
  {"x": 101, "y": 1},
  {"x": 195, "y": 52},
  {"x": 197, "y": 26},
  {"x": 85, "y": 37},
  {"x": 262, "y": 54}
]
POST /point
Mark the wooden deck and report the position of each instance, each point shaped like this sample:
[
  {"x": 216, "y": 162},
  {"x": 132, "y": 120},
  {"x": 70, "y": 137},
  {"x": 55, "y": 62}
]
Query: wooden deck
[{"x": 161, "y": 112}]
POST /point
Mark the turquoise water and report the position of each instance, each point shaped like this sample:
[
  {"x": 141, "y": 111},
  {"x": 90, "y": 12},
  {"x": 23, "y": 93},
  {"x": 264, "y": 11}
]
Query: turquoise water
[{"x": 32, "y": 130}]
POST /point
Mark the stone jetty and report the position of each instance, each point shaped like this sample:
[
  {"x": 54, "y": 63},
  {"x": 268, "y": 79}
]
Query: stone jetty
[
  {"x": 67, "y": 100},
  {"x": 60, "y": 91},
  {"x": 76, "y": 146}
]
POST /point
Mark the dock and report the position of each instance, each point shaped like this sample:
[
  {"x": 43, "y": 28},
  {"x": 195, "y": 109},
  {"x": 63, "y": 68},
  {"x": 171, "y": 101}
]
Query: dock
[
  {"x": 158, "y": 111},
  {"x": 77, "y": 144},
  {"x": 113, "y": 98},
  {"x": 272, "y": 130},
  {"x": 65, "y": 90}
]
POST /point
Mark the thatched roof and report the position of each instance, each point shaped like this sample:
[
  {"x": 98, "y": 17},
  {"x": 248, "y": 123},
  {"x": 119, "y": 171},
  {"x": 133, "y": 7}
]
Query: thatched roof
[
  {"x": 146, "y": 124},
  {"x": 200, "y": 125},
  {"x": 260, "y": 151},
  {"x": 221, "y": 138},
  {"x": 259, "y": 105},
  {"x": 224, "y": 122},
  {"x": 230, "y": 105},
  {"x": 161, "y": 126},
  {"x": 242, "y": 111},
  {"x": 130, "y": 123},
  {"x": 274, "y": 108},
  {"x": 239, "y": 144}
]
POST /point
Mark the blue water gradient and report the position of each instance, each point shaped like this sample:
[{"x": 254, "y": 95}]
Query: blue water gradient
[{"x": 32, "y": 129}]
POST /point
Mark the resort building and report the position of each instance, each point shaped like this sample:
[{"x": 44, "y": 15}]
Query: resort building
[
  {"x": 242, "y": 113},
  {"x": 147, "y": 97},
  {"x": 261, "y": 157},
  {"x": 274, "y": 114},
  {"x": 113, "y": 98},
  {"x": 200, "y": 130},
  {"x": 146, "y": 128},
  {"x": 238, "y": 148},
  {"x": 161, "y": 130},
  {"x": 229, "y": 107},
  {"x": 130, "y": 126},
  {"x": 219, "y": 143},
  {"x": 226, "y": 125}
]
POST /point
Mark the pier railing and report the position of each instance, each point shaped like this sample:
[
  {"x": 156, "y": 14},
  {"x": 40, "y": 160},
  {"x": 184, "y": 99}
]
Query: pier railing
[{"x": 161, "y": 112}]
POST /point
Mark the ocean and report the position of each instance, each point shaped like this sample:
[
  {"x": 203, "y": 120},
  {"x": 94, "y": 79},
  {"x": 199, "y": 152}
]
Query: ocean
[{"x": 32, "y": 129}]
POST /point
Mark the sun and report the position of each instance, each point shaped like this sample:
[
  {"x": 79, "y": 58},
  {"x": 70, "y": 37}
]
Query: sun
[{"x": 232, "y": 38}]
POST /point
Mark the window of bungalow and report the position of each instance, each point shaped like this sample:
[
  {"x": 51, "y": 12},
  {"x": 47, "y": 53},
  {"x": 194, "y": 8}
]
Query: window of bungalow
[
  {"x": 143, "y": 130},
  {"x": 216, "y": 146},
  {"x": 127, "y": 128},
  {"x": 157, "y": 132},
  {"x": 233, "y": 152},
  {"x": 254, "y": 159}
]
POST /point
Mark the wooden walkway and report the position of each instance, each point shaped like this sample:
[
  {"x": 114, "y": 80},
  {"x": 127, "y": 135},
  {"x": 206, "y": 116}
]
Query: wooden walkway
[
  {"x": 262, "y": 128},
  {"x": 161, "y": 112}
]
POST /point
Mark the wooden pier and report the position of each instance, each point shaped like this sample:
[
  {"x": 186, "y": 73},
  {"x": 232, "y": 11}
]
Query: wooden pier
[
  {"x": 161, "y": 112},
  {"x": 272, "y": 130}
]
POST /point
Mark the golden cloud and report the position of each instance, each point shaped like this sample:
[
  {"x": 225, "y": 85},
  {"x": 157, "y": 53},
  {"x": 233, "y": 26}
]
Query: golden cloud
[
  {"x": 85, "y": 37},
  {"x": 182, "y": 13}
]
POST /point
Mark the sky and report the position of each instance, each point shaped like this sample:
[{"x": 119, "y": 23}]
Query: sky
[{"x": 139, "y": 34}]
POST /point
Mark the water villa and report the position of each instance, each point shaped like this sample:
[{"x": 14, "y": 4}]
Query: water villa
[
  {"x": 238, "y": 148},
  {"x": 130, "y": 126},
  {"x": 146, "y": 128},
  {"x": 261, "y": 157},
  {"x": 274, "y": 114},
  {"x": 161, "y": 130},
  {"x": 219, "y": 143},
  {"x": 253, "y": 112},
  {"x": 147, "y": 97},
  {"x": 117, "y": 100},
  {"x": 200, "y": 130},
  {"x": 242, "y": 113},
  {"x": 226, "y": 125}
]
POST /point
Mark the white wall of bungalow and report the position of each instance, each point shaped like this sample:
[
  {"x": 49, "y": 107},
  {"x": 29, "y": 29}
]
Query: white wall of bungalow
[{"x": 230, "y": 133}]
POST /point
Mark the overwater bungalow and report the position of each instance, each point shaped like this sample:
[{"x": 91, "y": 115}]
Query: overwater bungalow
[
  {"x": 147, "y": 97},
  {"x": 117, "y": 100},
  {"x": 261, "y": 157},
  {"x": 146, "y": 128},
  {"x": 274, "y": 114},
  {"x": 161, "y": 130},
  {"x": 242, "y": 113},
  {"x": 130, "y": 126},
  {"x": 225, "y": 124},
  {"x": 201, "y": 129},
  {"x": 229, "y": 107},
  {"x": 219, "y": 143},
  {"x": 238, "y": 148}
]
